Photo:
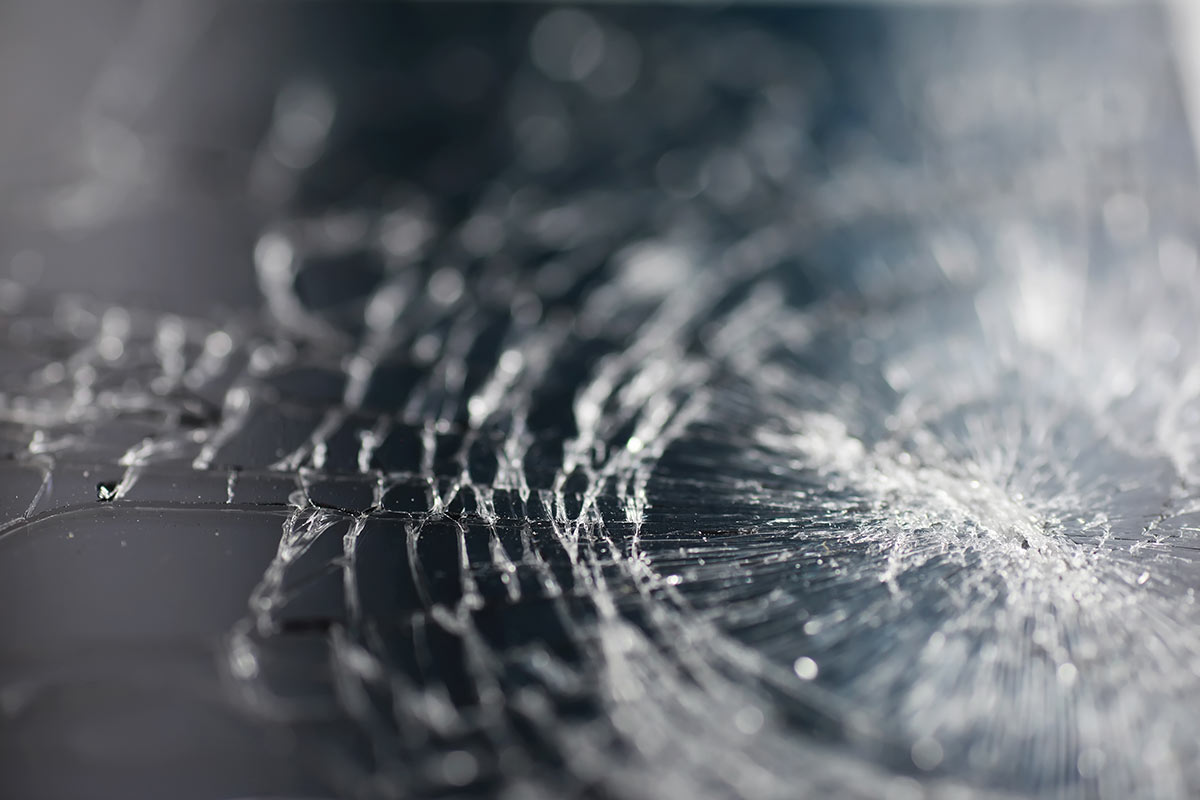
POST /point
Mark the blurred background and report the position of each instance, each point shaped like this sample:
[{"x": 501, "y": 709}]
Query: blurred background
[{"x": 140, "y": 136}]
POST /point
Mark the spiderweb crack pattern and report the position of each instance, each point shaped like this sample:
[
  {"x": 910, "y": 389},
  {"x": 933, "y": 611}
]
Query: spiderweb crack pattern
[{"x": 799, "y": 452}]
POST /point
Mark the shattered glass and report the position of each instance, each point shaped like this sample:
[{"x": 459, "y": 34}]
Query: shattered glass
[{"x": 616, "y": 402}]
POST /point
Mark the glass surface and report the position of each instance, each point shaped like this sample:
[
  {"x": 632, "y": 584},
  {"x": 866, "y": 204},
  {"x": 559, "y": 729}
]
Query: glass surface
[{"x": 618, "y": 402}]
